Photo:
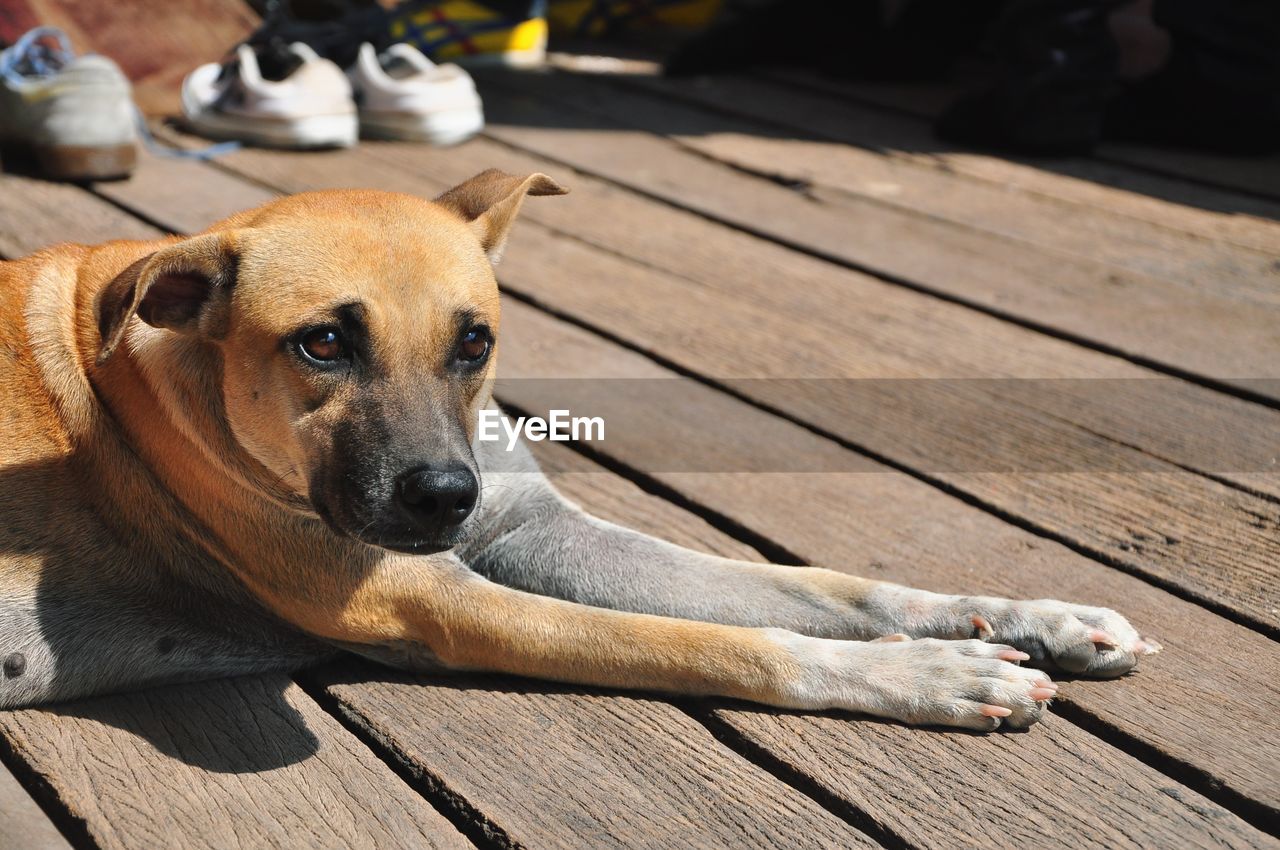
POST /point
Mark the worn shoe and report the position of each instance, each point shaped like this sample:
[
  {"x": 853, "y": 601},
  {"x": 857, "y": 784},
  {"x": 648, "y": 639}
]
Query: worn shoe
[
  {"x": 73, "y": 113},
  {"x": 470, "y": 34},
  {"x": 402, "y": 94},
  {"x": 301, "y": 102}
]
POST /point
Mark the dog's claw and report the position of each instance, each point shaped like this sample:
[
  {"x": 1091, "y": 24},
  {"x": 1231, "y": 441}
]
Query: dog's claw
[
  {"x": 1147, "y": 646},
  {"x": 981, "y": 628},
  {"x": 1014, "y": 655},
  {"x": 1098, "y": 636}
]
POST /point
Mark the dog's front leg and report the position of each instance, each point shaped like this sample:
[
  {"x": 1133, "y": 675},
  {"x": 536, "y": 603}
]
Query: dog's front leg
[
  {"x": 434, "y": 609},
  {"x": 536, "y": 540}
]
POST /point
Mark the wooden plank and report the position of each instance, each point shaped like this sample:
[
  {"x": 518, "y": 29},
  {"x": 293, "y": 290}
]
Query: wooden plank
[
  {"x": 889, "y": 526},
  {"x": 552, "y": 766},
  {"x": 920, "y": 788},
  {"x": 1193, "y": 331},
  {"x": 186, "y": 196},
  {"x": 908, "y": 531},
  {"x": 1210, "y": 540},
  {"x": 1200, "y": 211},
  {"x": 1253, "y": 174},
  {"x": 1101, "y": 797},
  {"x": 246, "y": 762},
  {"x": 22, "y": 825},
  {"x": 797, "y": 137},
  {"x": 36, "y": 213}
]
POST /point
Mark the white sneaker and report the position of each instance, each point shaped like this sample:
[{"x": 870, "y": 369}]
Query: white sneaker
[
  {"x": 404, "y": 95},
  {"x": 74, "y": 113},
  {"x": 310, "y": 108}
]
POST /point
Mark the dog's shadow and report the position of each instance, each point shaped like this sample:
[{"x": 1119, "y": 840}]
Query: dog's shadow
[
  {"x": 258, "y": 723},
  {"x": 240, "y": 725},
  {"x": 66, "y": 623}
]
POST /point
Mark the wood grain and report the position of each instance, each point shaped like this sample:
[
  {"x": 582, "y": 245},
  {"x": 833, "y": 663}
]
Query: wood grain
[
  {"x": 1053, "y": 786},
  {"x": 888, "y": 526},
  {"x": 185, "y": 196},
  {"x": 1196, "y": 210},
  {"x": 22, "y": 825},
  {"x": 799, "y": 138},
  {"x": 1258, "y": 176},
  {"x": 246, "y": 762},
  {"x": 1121, "y": 309},
  {"x": 534, "y": 260},
  {"x": 550, "y": 766},
  {"x": 36, "y": 213}
]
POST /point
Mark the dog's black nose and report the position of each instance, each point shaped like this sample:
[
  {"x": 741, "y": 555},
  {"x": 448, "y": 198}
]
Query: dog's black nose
[{"x": 440, "y": 497}]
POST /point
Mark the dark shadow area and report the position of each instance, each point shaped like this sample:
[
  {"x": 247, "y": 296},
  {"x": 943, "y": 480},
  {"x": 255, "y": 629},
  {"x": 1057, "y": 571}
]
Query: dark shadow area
[
  {"x": 877, "y": 117},
  {"x": 99, "y": 621},
  {"x": 237, "y": 725},
  {"x": 20, "y": 161}
]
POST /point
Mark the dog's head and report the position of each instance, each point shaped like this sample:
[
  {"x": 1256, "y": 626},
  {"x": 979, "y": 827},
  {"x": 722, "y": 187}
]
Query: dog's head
[{"x": 355, "y": 335}]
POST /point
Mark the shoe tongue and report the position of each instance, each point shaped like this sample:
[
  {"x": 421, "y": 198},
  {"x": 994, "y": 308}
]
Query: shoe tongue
[{"x": 277, "y": 60}]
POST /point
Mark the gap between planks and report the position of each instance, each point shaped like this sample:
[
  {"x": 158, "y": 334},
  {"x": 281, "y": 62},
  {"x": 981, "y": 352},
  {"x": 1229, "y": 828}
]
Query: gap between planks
[
  {"x": 800, "y": 226},
  {"x": 1250, "y": 177}
]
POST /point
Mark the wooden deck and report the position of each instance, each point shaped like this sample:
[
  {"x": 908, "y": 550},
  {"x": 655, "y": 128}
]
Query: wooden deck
[{"x": 781, "y": 227}]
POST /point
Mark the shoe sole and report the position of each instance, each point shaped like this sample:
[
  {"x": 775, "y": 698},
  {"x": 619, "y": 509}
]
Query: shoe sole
[
  {"x": 311, "y": 132},
  {"x": 85, "y": 162},
  {"x": 440, "y": 128}
]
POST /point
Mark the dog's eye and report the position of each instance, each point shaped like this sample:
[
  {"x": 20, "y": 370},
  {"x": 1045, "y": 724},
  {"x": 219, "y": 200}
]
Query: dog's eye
[
  {"x": 323, "y": 345},
  {"x": 474, "y": 345}
]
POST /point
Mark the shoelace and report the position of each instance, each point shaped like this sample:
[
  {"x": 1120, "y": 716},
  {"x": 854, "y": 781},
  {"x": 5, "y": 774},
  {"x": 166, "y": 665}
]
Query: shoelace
[
  {"x": 153, "y": 145},
  {"x": 33, "y": 57}
]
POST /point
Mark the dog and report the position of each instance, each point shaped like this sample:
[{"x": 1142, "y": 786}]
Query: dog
[{"x": 254, "y": 448}]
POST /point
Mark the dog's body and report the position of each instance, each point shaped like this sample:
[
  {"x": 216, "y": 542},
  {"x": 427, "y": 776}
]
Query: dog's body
[{"x": 248, "y": 449}]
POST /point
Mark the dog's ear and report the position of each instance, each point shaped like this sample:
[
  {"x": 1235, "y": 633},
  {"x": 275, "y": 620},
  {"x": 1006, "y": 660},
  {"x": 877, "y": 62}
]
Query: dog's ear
[
  {"x": 177, "y": 287},
  {"x": 490, "y": 202}
]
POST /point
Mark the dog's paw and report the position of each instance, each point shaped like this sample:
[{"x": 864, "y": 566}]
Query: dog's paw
[
  {"x": 1074, "y": 638},
  {"x": 969, "y": 684}
]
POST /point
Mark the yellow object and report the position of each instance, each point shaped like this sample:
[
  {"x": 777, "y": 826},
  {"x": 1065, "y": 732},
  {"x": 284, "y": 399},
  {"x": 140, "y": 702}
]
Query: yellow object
[
  {"x": 589, "y": 18},
  {"x": 470, "y": 34}
]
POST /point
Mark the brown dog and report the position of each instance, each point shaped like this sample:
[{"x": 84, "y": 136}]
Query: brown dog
[{"x": 238, "y": 451}]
